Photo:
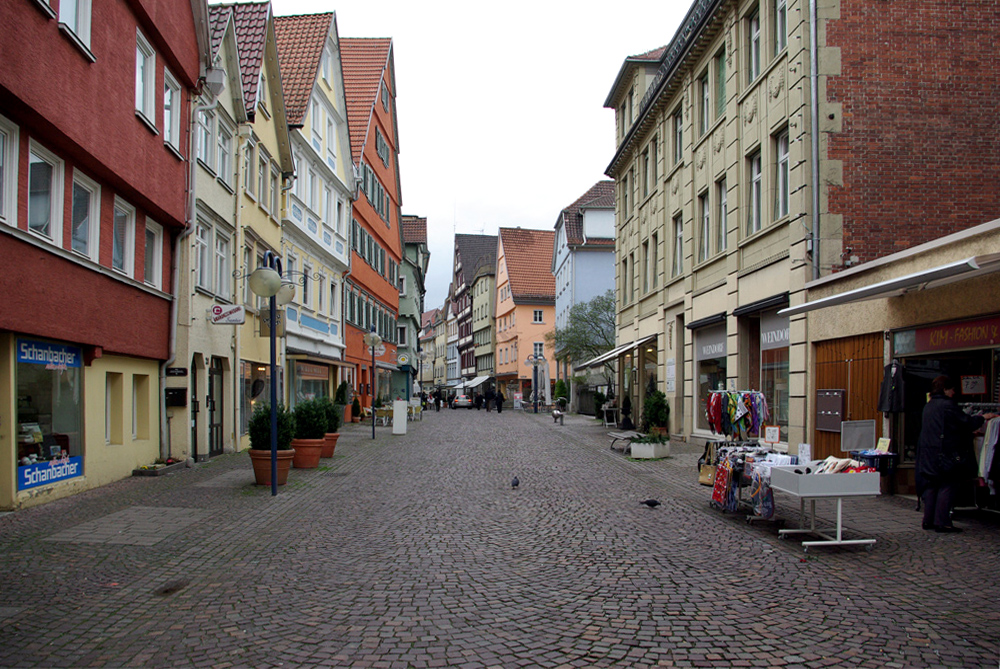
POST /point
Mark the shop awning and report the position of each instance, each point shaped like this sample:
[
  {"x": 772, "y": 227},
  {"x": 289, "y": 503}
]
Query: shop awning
[
  {"x": 476, "y": 382},
  {"x": 922, "y": 280},
  {"x": 615, "y": 352}
]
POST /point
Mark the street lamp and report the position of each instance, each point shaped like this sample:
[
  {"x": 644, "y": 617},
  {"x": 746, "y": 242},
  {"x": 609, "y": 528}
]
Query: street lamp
[
  {"x": 266, "y": 281},
  {"x": 535, "y": 360},
  {"x": 373, "y": 340}
]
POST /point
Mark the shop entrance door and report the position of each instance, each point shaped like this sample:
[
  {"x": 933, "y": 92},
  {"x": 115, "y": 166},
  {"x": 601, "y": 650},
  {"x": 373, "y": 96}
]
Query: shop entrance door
[
  {"x": 194, "y": 411},
  {"x": 215, "y": 407}
]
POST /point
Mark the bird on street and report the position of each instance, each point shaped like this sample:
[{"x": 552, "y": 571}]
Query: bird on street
[
  {"x": 515, "y": 482},
  {"x": 651, "y": 503}
]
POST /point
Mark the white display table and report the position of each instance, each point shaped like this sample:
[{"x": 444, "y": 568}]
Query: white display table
[{"x": 823, "y": 486}]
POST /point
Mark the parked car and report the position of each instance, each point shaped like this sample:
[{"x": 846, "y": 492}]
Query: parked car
[{"x": 462, "y": 401}]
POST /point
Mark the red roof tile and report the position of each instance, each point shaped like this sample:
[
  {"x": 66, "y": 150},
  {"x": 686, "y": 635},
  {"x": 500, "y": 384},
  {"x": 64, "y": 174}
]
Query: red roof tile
[
  {"x": 414, "y": 229},
  {"x": 300, "y": 47},
  {"x": 218, "y": 19},
  {"x": 600, "y": 196},
  {"x": 364, "y": 60},
  {"x": 527, "y": 253},
  {"x": 250, "y": 20}
]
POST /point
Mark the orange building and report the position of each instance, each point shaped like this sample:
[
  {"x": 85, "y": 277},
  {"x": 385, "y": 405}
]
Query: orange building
[
  {"x": 371, "y": 291},
  {"x": 525, "y": 310}
]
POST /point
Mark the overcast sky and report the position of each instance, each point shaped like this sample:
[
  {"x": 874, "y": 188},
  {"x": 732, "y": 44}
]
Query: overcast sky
[{"x": 501, "y": 117}]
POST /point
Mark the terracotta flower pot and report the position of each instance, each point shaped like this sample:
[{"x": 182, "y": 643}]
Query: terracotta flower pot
[
  {"x": 329, "y": 444},
  {"x": 355, "y": 419},
  {"x": 307, "y": 453},
  {"x": 261, "y": 460}
]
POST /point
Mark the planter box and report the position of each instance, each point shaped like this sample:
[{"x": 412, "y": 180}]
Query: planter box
[
  {"x": 649, "y": 451},
  {"x": 159, "y": 471}
]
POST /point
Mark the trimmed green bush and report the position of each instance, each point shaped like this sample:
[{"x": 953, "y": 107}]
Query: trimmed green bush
[
  {"x": 333, "y": 414},
  {"x": 561, "y": 390},
  {"x": 341, "y": 396},
  {"x": 310, "y": 419},
  {"x": 655, "y": 411},
  {"x": 259, "y": 428}
]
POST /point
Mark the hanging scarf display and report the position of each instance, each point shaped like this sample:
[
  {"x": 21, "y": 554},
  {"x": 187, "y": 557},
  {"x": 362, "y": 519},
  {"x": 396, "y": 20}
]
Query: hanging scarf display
[{"x": 737, "y": 414}]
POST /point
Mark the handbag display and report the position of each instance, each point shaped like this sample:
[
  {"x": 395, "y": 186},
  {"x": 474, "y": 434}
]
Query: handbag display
[{"x": 706, "y": 466}]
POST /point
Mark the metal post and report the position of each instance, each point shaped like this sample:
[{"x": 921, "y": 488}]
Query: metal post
[
  {"x": 373, "y": 387},
  {"x": 274, "y": 397},
  {"x": 534, "y": 387}
]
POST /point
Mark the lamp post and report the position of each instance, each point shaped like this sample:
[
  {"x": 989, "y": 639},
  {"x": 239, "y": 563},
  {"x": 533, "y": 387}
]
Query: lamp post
[
  {"x": 266, "y": 281},
  {"x": 373, "y": 340},
  {"x": 535, "y": 360}
]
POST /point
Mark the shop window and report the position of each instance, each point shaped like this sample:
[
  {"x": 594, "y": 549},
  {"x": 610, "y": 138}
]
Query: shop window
[
  {"x": 113, "y": 419},
  {"x": 710, "y": 356},
  {"x": 769, "y": 365},
  {"x": 309, "y": 381},
  {"x": 255, "y": 382},
  {"x": 49, "y": 384}
]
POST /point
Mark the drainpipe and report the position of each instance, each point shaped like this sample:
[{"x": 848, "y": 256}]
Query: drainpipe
[
  {"x": 175, "y": 275},
  {"x": 242, "y": 134},
  {"x": 814, "y": 122}
]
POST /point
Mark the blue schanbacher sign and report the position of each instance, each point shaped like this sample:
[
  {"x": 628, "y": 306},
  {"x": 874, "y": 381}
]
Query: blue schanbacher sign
[
  {"x": 43, "y": 473},
  {"x": 45, "y": 353}
]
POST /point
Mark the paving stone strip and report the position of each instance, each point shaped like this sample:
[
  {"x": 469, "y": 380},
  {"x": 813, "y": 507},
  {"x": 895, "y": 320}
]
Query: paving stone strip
[{"x": 413, "y": 551}]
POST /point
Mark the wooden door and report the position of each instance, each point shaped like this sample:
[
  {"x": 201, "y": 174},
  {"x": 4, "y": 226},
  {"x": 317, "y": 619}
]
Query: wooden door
[{"x": 854, "y": 364}]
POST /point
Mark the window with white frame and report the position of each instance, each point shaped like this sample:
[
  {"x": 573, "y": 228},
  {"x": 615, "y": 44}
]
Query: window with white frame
[
  {"x": 677, "y": 266},
  {"x": 86, "y": 212},
  {"x": 249, "y": 154},
  {"x": 720, "y": 83},
  {"x": 704, "y": 230},
  {"x": 645, "y": 173},
  {"x": 537, "y": 316},
  {"x": 705, "y": 109},
  {"x": 123, "y": 238},
  {"x": 327, "y": 213},
  {"x": 152, "y": 273},
  {"x": 8, "y": 171},
  {"x": 203, "y": 141},
  {"x": 654, "y": 158},
  {"x": 401, "y": 335},
  {"x": 334, "y": 290},
  {"x": 45, "y": 193},
  {"x": 320, "y": 293},
  {"x": 753, "y": 46},
  {"x": 723, "y": 217},
  {"x": 202, "y": 256},
  {"x": 224, "y": 160},
  {"x": 402, "y": 285},
  {"x": 340, "y": 217},
  {"x": 316, "y": 125},
  {"x": 262, "y": 94},
  {"x": 263, "y": 176},
  {"x": 645, "y": 267},
  {"x": 539, "y": 349},
  {"x": 307, "y": 286},
  {"x": 172, "y": 104},
  {"x": 222, "y": 273},
  {"x": 655, "y": 261},
  {"x": 331, "y": 142},
  {"x": 291, "y": 267},
  {"x": 247, "y": 268},
  {"x": 145, "y": 77},
  {"x": 75, "y": 15},
  {"x": 781, "y": 196},
  {"x": 275, "y": 191},
  {"x": 753, "y": 196},
  {"x": 780, "y": 26}
]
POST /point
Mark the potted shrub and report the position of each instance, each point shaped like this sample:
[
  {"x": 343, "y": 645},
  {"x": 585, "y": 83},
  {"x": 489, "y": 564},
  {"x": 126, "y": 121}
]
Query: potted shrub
[
  {"x": 356, "y": 411},
  {"x": 310, "y": 433},
  {"x": 340, "y": 400},
  {"x": 259, "y": 429},
  {"x": 333, "y": 413},
  {"x": 561, "y": 393},
  {"x": 656, "y": 414}
]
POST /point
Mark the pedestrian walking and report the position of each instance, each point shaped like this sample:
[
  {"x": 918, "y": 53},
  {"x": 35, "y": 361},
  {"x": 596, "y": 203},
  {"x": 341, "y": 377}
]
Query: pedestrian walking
[
  {"x": 945, "y": 457},
  {"x": 437, "y": 400},
  {"x": 478, "y": 401},
  {"x": 499, "y": 401},
  {"x": 490, "y": 397}
]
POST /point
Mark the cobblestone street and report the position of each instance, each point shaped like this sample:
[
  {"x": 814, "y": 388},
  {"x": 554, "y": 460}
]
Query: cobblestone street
[{"x": 414, "y": 551}]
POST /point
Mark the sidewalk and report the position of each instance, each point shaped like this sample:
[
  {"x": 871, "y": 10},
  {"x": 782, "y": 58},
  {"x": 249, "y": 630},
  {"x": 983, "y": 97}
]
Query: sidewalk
[{"x": 413, "y": 551}]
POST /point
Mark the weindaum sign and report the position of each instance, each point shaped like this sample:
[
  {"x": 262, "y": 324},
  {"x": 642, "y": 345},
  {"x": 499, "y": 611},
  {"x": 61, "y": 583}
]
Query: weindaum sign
[{"x": 43, "y": 473}]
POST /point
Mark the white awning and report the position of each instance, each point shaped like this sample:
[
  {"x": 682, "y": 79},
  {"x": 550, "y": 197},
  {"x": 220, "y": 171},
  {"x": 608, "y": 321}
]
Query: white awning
[
  {"x": 928, "y": 278},
  {"x": 615, "y": 352},
  {"x": 476, "y": 382}
]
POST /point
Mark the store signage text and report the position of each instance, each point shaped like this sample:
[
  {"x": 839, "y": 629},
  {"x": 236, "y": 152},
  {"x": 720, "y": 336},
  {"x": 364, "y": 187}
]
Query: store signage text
[
  {"x": 713, "y": 349},
  {"x": 969, "y": 334},
  {"x": 53, "y": 356},
  {"x": 43, "y": 473}
]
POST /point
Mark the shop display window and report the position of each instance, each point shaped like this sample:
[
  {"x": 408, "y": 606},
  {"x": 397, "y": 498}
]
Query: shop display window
[
  {"x": 309, "y": 381},
  {"x": 49, "y": 429},
  {"x": 255, "y": 388},
  {"x": 710, "y": 348}
]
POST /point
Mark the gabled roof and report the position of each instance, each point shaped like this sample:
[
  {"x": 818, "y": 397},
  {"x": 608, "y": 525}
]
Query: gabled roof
[
  {"x": 218, "y": 20},
  {"x": 301, "y": 40},
  {"x": 250, "y": 20},
  {"x": 364, "y": 60},
  {"x": 652, "y": 56},
  {"x": 530, "y": 280},
  {"x": 600, "y": 196},
  {"x": 414, "y": 229},
  {"x": 475, "y": 251},
  {"x": 428, "y": 317}
]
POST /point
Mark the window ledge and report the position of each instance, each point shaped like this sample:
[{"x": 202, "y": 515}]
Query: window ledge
[
  {"x": 77, "y": 42},
  {"x": 173, "y": 149},
  {"x": 45, "y": 8},
  {"x": 206, "y": 167},
  {"x": 149, "y": 124},
  {"x": 224, "y": 184}
]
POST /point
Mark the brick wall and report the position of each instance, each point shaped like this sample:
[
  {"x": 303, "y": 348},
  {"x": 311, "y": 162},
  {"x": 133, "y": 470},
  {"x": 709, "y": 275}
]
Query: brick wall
[{"x": 920, "y": 146}]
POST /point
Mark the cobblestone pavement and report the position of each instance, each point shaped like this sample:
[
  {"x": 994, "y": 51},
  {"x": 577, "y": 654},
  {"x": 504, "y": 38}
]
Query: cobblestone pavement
[{"x": 414, "y": 551}]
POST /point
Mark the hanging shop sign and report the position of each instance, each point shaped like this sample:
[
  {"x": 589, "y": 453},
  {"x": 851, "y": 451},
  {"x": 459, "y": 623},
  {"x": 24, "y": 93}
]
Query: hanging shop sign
[
  {"x": 773, "y": 331},
  {"x": 232, "y": 314}
]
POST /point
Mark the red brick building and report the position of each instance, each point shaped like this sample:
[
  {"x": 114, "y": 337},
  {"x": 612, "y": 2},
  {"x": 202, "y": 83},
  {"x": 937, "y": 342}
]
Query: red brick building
[
  {"x": 371, "y": 290},
  {"x": 94, "y": 145}
]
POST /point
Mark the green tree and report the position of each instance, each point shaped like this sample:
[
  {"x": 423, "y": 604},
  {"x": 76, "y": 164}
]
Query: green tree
[{"x": 589, "y": 331}]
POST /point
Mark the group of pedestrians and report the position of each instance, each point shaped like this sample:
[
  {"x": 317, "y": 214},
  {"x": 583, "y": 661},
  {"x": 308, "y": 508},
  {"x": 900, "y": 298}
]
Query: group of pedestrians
[
  {"x": 490, "y": 399},
  {"x": 437, "y": 397}
]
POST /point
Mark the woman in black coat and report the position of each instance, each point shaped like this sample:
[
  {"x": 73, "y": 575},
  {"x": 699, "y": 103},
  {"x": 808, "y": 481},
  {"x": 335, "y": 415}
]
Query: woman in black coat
[{"x": 944, "y": 453}]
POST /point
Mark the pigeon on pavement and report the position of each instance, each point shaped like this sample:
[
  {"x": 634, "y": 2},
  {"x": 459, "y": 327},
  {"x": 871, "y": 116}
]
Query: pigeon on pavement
[
  {"x": 515, "y": 482},
  {"x": 651, "y": 503}
]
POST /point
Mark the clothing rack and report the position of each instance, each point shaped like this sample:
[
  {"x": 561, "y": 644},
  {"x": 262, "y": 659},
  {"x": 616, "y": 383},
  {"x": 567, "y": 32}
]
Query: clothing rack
[
  {"x": 735, "y": 471},
  {"x": 737, "y": 418}
]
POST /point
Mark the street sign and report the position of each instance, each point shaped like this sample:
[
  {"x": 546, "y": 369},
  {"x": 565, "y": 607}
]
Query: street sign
[
  {"x": 380, "y": 350},
  {"x": 227, "y": 315},
  {"x": 265, "y": 318}
]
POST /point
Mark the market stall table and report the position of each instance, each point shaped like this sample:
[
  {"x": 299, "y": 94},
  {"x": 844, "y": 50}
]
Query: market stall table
[{"x": 793, "y": 480}]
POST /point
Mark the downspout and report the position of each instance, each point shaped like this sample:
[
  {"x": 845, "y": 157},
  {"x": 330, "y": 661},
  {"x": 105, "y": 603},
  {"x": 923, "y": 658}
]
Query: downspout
[
  {"x": 175, "y": 278},
  {"x": 814, "y": 122},
  {"x": 242, "y": 134}
]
